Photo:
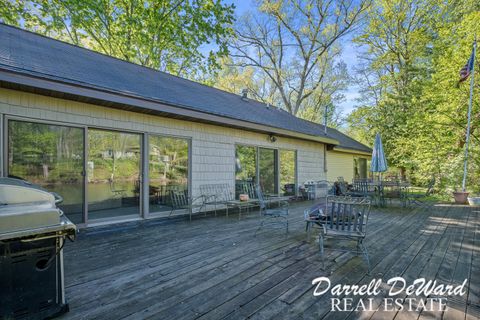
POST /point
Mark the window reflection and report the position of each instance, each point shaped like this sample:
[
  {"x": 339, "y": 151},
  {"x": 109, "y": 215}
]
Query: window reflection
[
  {"x": 267, "y": 166},
  {"x": 287, "y": 172},
  {"x": 245, "y": 167},
  {"x": 360, "y": 168},
  {"x": 113, "y": 174},
  {"x": 50, "y": 156},
  {"x": 168, "y": 170}
]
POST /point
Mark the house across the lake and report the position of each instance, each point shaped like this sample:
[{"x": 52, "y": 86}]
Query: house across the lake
[{"x": 113, "y": 138}]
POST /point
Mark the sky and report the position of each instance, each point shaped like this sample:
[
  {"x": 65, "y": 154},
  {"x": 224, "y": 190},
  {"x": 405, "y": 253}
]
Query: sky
[{"x": 349, "y": 56}]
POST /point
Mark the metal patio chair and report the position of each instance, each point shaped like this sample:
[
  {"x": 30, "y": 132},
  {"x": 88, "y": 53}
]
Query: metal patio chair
[
  {"x": 180, "y": 200},
  {"x": 276, "y": 217},
  {"x": 346, "y": 220},
  {"x": 118, "y": 193},
  {"x": 316, "y": 215},
  {"x": 248, "y": 187},
  {"x": 341, "y": 188},
  {"x": 420, "y": 198}
]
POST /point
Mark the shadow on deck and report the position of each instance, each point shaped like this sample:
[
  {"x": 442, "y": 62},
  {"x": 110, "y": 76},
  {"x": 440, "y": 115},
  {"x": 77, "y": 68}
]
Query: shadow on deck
[{"x": 214, "y": 268}]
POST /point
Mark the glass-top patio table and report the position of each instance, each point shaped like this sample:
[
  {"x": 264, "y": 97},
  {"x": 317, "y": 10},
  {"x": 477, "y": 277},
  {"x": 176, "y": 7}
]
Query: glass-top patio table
[
  {"x": 241, "y": 204},
  {"x": 390, "y": 189}
]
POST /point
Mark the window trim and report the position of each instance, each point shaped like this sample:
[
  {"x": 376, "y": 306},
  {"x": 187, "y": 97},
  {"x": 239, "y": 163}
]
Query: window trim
[
  {"x": 144, "y": 212},
  {"x": 5, "y": 172},
  {"x": 277, "y": 163},
  {"x": 296, "y": 169},
  {"x": 146, "y": 186}
]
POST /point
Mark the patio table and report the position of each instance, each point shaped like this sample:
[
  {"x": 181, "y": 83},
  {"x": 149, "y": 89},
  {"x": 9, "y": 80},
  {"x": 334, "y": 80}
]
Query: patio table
[
  {"x": 392, "y": 190},
  {"x": 276, "y": 197},
  {"x": 241, "y": 205}
]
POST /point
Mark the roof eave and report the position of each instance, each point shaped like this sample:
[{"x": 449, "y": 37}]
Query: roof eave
[
  {"x": 139, "y": 104},
  {"x": 349, "y": 150}
]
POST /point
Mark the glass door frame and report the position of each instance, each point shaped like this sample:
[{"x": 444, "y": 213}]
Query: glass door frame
[
  {"x": 295, "y": 159},
  {"x": 141, "y": 176},
  {"x": 143, "y": 173},
  {"x": 277, "y": 163},
  {"x": 276, "y": 169},
  {"x": 146, "y": 170},
  {"x": 5, "y": 124}
]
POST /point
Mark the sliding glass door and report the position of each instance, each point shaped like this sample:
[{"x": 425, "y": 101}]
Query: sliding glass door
[
  {"x": 268, "y": 170},
  {"x": 113, "y": 175},
  {"x": 50, "y": 156},
  {"x": 274, "y": 169},
  {"x": 168, "y": 170},
  {"x": 287, "y": 172},
  {"x": 107, "y": 184}
]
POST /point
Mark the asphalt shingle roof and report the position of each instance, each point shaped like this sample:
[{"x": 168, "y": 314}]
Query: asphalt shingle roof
[{"x": 35, "y": 55}]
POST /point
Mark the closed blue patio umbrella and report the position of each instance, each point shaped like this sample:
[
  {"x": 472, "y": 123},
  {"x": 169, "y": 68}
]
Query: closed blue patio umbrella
[{"x": 378, "y": 164}]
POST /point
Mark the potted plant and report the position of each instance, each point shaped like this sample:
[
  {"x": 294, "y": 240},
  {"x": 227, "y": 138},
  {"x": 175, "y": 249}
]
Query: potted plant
[{"x": 460, "y": 196}]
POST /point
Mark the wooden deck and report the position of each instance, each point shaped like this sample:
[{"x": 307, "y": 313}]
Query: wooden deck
[{"x": 214, "y": 268}]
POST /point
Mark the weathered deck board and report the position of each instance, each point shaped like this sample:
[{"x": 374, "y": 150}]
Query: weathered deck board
[
  {"x": 214, "y": 268},
  {"x": 394, "y": 265}
]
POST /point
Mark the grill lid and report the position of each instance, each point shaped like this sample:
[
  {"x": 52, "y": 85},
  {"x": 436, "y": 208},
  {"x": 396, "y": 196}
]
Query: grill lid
[
  {"x": 20, "y": 192},
  {"x": 24, "y": 206}
]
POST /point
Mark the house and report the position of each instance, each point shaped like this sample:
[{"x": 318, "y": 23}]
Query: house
[
  {"x": 115, "y": 138},
  {"x": 349, "y": 159}
]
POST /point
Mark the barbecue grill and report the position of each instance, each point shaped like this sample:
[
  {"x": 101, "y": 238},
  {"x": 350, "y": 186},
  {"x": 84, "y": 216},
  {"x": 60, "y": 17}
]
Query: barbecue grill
[{"x": 32, "y": 235}]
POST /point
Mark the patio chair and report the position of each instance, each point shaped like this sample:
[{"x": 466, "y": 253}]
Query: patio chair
[
  {"x": 360, "y": 188},
  {"x": 420, "y": 198},
  {"x": 316, "y": 216},
  {"x": 181, "y": 200},
  {"x": 118, "y": 193},
  {"x": 346, "y": 220},
  {"x": 341, "y": 188},
  {"x": 365, "y": 188},
  {"x": 277, "y": 217},
  {"x": 250, "y": 189}
]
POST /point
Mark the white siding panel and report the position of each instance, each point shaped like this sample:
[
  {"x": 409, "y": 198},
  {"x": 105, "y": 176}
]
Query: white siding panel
[{"x": 339, "y": 165}]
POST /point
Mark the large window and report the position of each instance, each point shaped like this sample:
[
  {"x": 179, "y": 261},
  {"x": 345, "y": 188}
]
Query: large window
[
  {"x": 287, "y": 172},
  {"x": 168, "y": 167},
  {"x": 245, "y": 167},
  {"x": 113, "y": 176},
  {"x": 268, "y": 170},
  {"x": 108, "y": 182},
  {"x": 245, "y": 163},
  {"x": 50, "y": 156},
  {"x": 360, "y": 168},
  {"x": 275, "y": 171}
]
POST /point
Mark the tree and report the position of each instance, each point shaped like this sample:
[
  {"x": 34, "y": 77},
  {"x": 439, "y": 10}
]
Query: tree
[
  {"x": 412, "y": 52},
  {"x": 293, "y": 46},
  {"x": 441, "y": 127},
  {"x": 161, "y": 34},
  {"x": 397, "y": 56}
]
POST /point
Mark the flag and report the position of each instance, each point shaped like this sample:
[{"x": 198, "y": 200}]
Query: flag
[{"x": 467, "y": 69}]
